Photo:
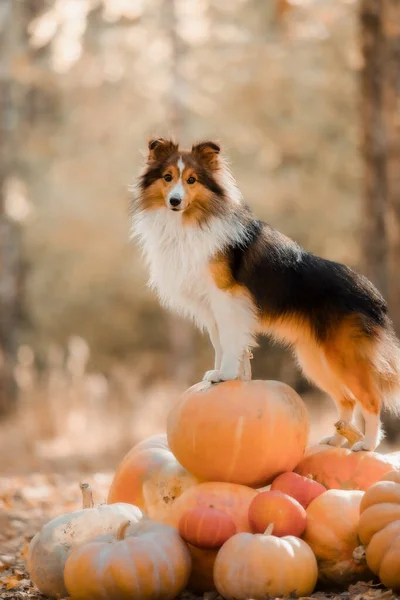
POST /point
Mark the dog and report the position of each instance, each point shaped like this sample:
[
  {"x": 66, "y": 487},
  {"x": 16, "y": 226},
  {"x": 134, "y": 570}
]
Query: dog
[{"x": 211, "y": 260}]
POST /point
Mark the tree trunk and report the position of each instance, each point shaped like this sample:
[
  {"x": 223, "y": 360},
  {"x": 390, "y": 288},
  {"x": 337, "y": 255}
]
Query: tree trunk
[
  {"x": 374, "y": 145},
  {"x": 391, "y": 115},
  {"x": 380, "y": 87},
  {"x": 9, "y": 242}
]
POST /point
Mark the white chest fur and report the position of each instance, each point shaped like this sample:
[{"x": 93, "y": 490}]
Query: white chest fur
[{"x": 178, "y": 256}]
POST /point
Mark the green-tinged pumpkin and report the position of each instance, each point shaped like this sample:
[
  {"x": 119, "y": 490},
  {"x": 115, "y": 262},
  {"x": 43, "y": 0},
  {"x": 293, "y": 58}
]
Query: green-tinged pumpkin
[{"x": 151, "y": 478}]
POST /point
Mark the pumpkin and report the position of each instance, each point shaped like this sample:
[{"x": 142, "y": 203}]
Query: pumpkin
[
  {"x": 151, "y": 478},
  {"x": 49, "y": 549},
  {"x": 230, "y": 498},
  {"x": 383, "y": 555},
  {"x": 285, "y": 513},
  {"x": 340, "y": 468},
  {"x": 332, "y": 534},
  {"x": 243, "y": 432},
  {"x": 380, "y": 506},
  {"x": 302, "y": 489},
  {"x": 205, "y": 527},
  {"x": 379, "y": 529},
  {"x": 144, "y": 561},
  {"x": 262, "y": 565},
  {"x": 202, "y": 574}
]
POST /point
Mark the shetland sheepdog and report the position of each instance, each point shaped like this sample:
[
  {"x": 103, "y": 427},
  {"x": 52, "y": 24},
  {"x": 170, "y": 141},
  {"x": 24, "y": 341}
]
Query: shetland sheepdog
[{"x": 211, "y": 260}]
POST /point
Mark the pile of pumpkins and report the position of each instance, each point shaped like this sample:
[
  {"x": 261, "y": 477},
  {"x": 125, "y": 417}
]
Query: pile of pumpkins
[{"x": 230, "y": 499}]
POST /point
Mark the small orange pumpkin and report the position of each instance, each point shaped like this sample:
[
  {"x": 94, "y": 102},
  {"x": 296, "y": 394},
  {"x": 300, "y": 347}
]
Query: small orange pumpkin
[
  {"x": 379, "y": 529},
  {"x": 332, "y": 534},
  {"x": 340, "y": 468},
  {"x": 151, "y": 478},
  {"x": 144, "y": 561},
  {"x": 205, "y": 527},
  {"x": 262, "y": 565},
  {"x": 302, "y": 489},
  {"x": 285, "y": 513},
  {"x": 254, "y": 431},
  {"x": 230, "y": 498}
]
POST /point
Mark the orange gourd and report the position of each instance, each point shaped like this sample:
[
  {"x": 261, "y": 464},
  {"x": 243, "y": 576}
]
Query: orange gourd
[
  {"x": 230, "y": 498},
  {"x": 332, "y": 534},
  {"x": 261, "y": 565},
  {"x": 243, "y": 432},
  {"x": 285, "y": 513},
  {"x": 205, "y": 527},
  {"x": 340, "y": 468},
  {"x": 379, "y": 529},
  {"x": 49, "y": 549},
  {"x": 150, "y": 477},
  {"x": 302, "y": 489},
  {"x": 144, "y": 561}
]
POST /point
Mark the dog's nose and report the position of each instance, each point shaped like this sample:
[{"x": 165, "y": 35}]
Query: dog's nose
[{"x": 175, "y": 201}]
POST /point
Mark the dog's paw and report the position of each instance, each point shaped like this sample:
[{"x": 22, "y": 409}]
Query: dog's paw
[
  {"x": 333, "y": 440},
  {"x": 363, "y": 445},
  {"x": 213, "y": 376},
  {"x": 216, "y": 376}
]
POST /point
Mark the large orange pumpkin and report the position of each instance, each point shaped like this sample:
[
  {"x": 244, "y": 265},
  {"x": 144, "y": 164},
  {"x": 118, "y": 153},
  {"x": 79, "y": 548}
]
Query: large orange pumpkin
[
  {"x": 243, "y": 432},
  {"x": 264, "y": 566},
  {"x": 332, "y": 534},
  {"x": 151, "y": 478},
  {"x": 144, "y": 561},
  {"x": 379, "y": 529},
  {"x": 229, "y": 498},
  {"x": 340, "y": 468}
]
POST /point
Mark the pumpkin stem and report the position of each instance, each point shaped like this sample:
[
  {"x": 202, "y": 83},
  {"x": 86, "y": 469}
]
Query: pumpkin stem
[
  {"x": 245, "y": 365},
  {"x": 269, "y": 529},
  {"x": 359, "y": 555},
  {"x": 87, "y": 495},
  {"x": 122, "y": 530},
  {"x": 349, "y": 431}
]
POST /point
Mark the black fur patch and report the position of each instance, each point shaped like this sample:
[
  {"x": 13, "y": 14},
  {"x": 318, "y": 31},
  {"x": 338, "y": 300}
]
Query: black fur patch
[
  {"x": 209, "y": 182},
  {"x": 150, "y": 176},
  {"x": 285, "y": 280}
]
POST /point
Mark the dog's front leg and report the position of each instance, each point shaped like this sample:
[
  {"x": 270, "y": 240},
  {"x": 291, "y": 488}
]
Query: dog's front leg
[
  {"x": 214, "y": 338},
  {"x": 235, "y": 320}
]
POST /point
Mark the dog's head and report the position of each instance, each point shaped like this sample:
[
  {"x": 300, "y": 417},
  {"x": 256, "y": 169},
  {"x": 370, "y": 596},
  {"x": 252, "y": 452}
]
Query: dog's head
[{"x": 183, "y": 181}]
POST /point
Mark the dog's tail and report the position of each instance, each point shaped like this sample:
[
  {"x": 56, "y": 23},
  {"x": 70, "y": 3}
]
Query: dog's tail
[{"x": 385, "y": 362}]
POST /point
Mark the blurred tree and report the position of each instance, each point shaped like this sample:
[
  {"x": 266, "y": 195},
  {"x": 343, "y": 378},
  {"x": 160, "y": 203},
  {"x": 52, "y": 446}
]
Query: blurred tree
[
  {"x": 380, "y": 39},
  {"x": 9, "y": 239},
  {"x": 380, "y": 87}
]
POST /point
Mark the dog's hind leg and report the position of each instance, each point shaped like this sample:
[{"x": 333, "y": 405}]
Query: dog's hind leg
[
  {"x": 351, "y": 356},
  {"x": 358, "y": 377},
  {"x": 312, "y": 361}
]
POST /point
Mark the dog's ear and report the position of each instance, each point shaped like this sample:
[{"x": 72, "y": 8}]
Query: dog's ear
[
  {"x": 160, "y": 149},
  {"x": 207, "y": 152}
]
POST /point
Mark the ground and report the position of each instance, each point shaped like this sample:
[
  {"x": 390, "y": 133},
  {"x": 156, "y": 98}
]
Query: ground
[{"x": 27, "y": 502}]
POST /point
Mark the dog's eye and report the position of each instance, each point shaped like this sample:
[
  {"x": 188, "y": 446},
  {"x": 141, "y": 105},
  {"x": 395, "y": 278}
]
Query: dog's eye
[
  {"x": 191, "y": 180},
  {"x": 168, "y": 177}
]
